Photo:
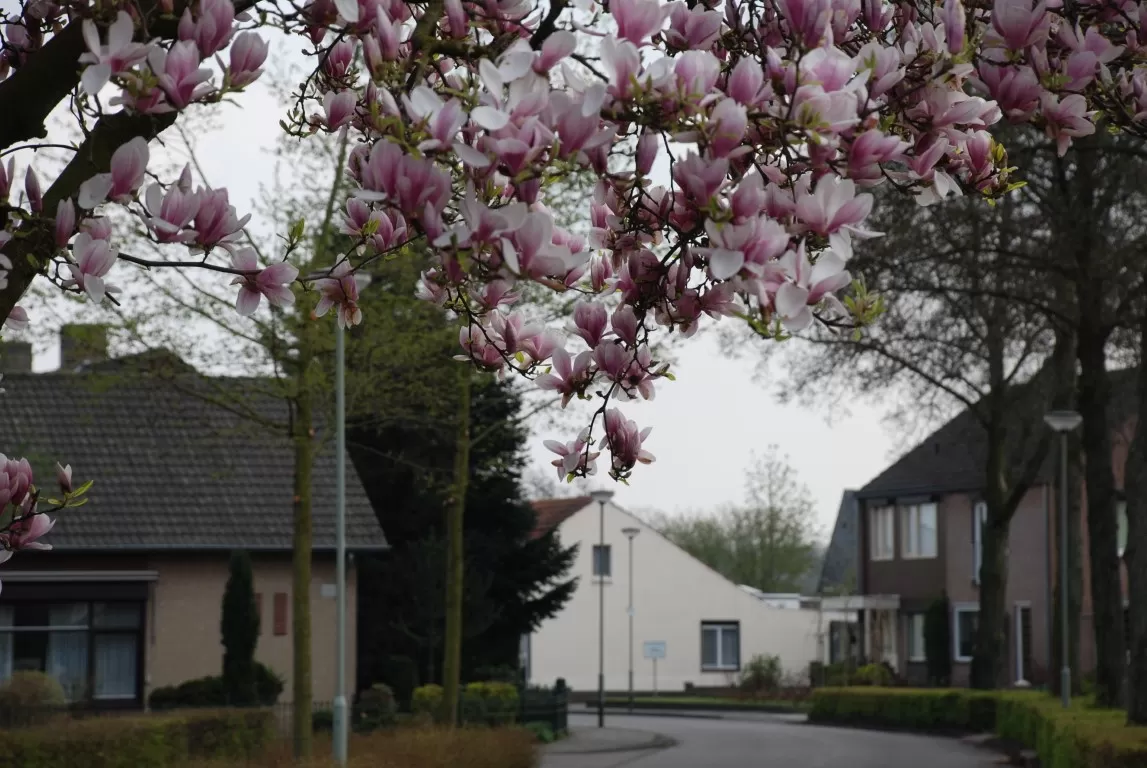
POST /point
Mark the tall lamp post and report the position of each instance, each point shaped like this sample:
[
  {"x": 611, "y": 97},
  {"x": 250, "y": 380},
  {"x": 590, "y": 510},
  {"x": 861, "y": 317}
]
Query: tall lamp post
[
  {"x": 1063, "y": 422},
  {"x": 340, "y": 705},
  {"x": 630, "y": 533},
  {"x": 601, "y": 497}
]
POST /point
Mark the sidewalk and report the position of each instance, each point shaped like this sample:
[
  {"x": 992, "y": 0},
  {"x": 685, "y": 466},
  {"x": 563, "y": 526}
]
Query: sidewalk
[{"x": 588, "y": 740}]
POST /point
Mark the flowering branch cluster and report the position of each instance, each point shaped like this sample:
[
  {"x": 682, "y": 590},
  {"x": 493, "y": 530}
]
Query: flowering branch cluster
[
  {"x": 733, "y": 145},
  {"x": 22, "y": 522}
]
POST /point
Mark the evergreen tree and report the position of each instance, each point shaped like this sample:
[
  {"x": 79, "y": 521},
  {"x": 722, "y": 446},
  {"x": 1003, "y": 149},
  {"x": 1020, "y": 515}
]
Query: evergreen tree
[{"x": 239, "y": 626}]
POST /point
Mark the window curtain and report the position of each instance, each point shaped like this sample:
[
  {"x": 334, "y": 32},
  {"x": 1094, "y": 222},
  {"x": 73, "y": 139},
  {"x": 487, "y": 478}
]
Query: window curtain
[
  {"x": 5, "y": 643},
  {"x": 68, "y": 662},
  {"x": 115, "y": 666}
]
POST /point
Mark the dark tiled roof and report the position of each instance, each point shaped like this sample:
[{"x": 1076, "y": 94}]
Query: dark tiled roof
[
  {"x": 838, "y": 571},
  {"x": 952, "y": 458},
  {"x": 553, "y": 512},
  {"x": 171, "y": 470}
]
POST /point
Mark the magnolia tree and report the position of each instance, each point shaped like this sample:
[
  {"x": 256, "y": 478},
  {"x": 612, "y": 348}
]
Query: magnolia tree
[{"x": 771, "y": 117}]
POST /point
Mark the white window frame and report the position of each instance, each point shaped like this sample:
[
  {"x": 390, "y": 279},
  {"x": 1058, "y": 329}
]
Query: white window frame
[
  {"x": 881, "y": 533},
  {"x": 979, "y": 520},
  {"x": 721, "y": 627},
  {"x": 957, "y": 609},
  {"x": 912, "y": 619},
  {"x": 911, "y": 516},
  {"x": 1121, "y": 529}
]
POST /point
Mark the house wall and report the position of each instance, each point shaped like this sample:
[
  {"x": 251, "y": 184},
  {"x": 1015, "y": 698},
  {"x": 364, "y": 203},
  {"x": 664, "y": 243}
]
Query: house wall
[
  {"x": 183, "y": 641},
  {"x": 673, "y": 595},
  {"x": 917, "y": 581},
  {"x": 1027, "y": 561}
]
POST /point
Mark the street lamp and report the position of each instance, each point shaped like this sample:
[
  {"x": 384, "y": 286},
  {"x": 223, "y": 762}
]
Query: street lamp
[
  {"x": 630, "y": 533},
  {"x": 601, "y": 497},
  {"x": 1063, "y": 422}
]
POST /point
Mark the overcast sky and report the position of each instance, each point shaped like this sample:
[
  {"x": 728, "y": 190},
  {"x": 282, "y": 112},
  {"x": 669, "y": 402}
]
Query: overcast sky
[{"x": 706, "y": 425}]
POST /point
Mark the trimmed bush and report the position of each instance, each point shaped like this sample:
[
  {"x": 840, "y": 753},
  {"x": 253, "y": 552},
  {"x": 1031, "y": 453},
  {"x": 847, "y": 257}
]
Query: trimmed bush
[
  {"x": 761, "y": 675},
  {"x": 375, "y": 708},
  {"x": 1080, "y": 737},
  {"x": 28, "y": 697},
  {"x": 212, "y": 692},
  {"x": 427, "y": 700},
  {"x": 490, "y": 703},
  {"x": 917, "y": 709},
  {"x": 140, "y": 742},
  {"x": 872, "y": 674}
]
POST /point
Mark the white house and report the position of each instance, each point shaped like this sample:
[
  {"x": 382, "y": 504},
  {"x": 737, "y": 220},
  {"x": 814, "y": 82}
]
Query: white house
[{"x": 710, "y": 627}]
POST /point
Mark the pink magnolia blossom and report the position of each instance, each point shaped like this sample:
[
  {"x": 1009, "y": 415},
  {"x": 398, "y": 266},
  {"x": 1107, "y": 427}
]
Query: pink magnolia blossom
[
  {"x": 274, "y": 282},
  {"x": 338, "y": 108},
  {"x": 810, "y": 284},
  {"x": 1018, "y": 24},
  {"x": 15, "y": 481},
  {"x": 26, "y": 531},
  {"x": 118, "y": 55},
  {"x": 93, "y": 260},
  {"x": 1066, "y": 119},
  {"x": 64, "y": 477},
  {"x": 638, "y": 19},
  {"x": 248, "y": 53},
  {"x": 212, "y": 27},
  {"x": 170, "y": 212},
  {"x": 480, "y": 350},
  {"x": 835, "y": 211},
  {"x": 955, "y": 25},
  {"x": 625, "y": 442},
  {"x": 729, "y": 121},
  {"x": 65, "y": 222},
  {"x": 128, "y": 169},
  {"x": 574, "y": 456},
  {"x": 32, "y": 191},
  {"x": 746, "y": 82},
  {"x": 624, "y": 323},
  {"x": 17, "y": 319},
  {"x": 694, "y": 28},
  {"x": 340, "y": 290},
  {"x": 7, "y": 178},
  {"x": 216, "y": 222},
  {"x": 570, "y": 374},
  {"x": 589, "y": 322},
  {"x": 556, "y": 47},
  {"x": 178, "y": 72}
]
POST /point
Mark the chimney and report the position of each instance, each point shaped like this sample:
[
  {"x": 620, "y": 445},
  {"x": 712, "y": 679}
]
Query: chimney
[
  {"x": 82, "y": 345},
  {"x": 15, "y": 357}
]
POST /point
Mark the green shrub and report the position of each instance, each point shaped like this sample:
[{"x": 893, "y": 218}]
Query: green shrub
[
  {"x": 212, "y": 692},
  {"x": 1080, "y": 737},
  {"x": 922, "y": 709},
  {"x": 427, "y": 700},
  {"x": 375, "y": 708},
  {"x": 762, "y": 674},
  {"x": 872, "y": 674},
  {"x": 489, "y": 703},
  {"x": 542, "y": 732},
  {"x": 140, "y": 742},
  {"x": 322, "y": 720},
  {"x": 28, "y": 697}
]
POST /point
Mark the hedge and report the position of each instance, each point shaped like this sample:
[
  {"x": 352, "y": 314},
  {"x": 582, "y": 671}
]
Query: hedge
[
  {"x": 1079, "y": 737},
  {"x": 157, "y": 741}
]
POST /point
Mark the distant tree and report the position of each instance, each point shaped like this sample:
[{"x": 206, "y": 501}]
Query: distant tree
[
  {"x": 938, "y": 641},
  {"x": 239, "y": 626},
  {"x": 769, "y": 542}
]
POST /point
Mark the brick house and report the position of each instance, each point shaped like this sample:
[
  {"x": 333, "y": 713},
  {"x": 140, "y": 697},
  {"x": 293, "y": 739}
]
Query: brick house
[
  {"x": 913, "y": 533},
  {"x": 129, "y": 598}
]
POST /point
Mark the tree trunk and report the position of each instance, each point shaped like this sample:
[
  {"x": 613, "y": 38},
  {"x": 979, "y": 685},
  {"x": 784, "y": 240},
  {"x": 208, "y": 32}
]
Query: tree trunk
[
  {"x": 456, "y": 509},
  {"x": 1102, "y": 527},
  {"x": 989, "y": 658},
  {"x": 1074, "y": 574},
  {"x": 1135, "y": 486},
  {"x": 303, "y": 437}
]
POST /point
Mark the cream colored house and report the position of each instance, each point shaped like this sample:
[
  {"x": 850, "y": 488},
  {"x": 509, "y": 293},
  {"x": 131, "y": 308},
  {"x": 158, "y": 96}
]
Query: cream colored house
[
  {"x": 708, "y": 627},
  {"x": 129, "y": 599}
]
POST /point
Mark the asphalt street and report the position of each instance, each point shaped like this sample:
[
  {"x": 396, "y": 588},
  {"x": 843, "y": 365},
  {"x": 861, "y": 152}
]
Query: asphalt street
[{"x": 764, "y": 742}]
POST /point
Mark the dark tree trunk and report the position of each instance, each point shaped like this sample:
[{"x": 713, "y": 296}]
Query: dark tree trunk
[
  {"x": 1135, "y": 485},
  {"x": 990, "y": 657},
  {"x": 1102, "y": 526},
  {"x": 455, "y": 570},
  {"x": 1074, "y": 572}
]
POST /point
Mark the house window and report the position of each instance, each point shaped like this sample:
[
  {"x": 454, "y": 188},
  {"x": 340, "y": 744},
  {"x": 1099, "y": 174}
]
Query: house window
[
  {"x": 880, "y": 533},
  {"x": 602, "y": 561},
  {"x": 918, "y": 531},
  {"x": 964, "y": 629},
  {"x": 91, "y": 649},
  {"x": 1121, "y": 516},
  {"x": 916, "y": 637},
  {"x": 979, "y": 523},
  {"x": 720, "y": 646}
]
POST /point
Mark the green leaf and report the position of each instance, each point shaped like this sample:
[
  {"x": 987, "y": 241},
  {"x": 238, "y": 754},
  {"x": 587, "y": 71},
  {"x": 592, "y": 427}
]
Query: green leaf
[{"x": 296, "y": 233}]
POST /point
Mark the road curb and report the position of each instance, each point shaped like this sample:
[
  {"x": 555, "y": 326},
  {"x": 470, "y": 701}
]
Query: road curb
[{"x": 657, "y": 741}]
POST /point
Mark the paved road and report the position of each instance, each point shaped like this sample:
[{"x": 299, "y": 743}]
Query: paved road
[{"x": 764, "y": 743}]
